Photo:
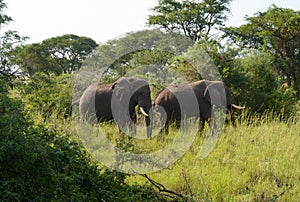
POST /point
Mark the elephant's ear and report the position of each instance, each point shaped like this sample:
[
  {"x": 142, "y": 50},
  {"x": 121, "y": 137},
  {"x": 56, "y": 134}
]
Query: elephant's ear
[
  {"x": 115, "y": 90},
  {"x": 215, "y": 94},
  {"x": 113, "y": 85},
  {"x": 122, "y": 82},
  {"x": 120, "y": 87},
  {"x": 207, "y": 91}
]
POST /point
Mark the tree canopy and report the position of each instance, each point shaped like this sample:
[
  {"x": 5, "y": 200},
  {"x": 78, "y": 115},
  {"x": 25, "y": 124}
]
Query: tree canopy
[
  {"x": 62, "y": 54},
  {"x": 276, "y": 31},
  {"x": 138, "y": 50},
  {"x": 4, "y": 19},
  {"x": 195, "y": 19},
  {"x": 8, "y": 41}
]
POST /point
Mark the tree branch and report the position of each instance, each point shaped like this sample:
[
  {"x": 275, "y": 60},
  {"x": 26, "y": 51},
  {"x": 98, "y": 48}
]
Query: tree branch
[{"x": 161, "y": 188}]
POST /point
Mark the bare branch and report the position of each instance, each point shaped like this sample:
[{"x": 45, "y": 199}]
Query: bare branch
[{"x": 161, "y": 188}]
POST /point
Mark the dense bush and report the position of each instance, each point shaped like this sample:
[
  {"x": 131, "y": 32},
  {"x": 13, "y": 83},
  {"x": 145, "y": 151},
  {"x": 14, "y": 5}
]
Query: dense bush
[
  {"x": 37, "y": 164},
  {"x": 48, "y": 94},
  {"x": 259, "y": 88}
]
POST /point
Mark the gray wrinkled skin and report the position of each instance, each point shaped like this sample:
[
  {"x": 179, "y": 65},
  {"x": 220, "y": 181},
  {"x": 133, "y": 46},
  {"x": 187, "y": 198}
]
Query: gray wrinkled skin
[
  {"x": 207, "y": 93},
  {"x": 104, "y": 102}
]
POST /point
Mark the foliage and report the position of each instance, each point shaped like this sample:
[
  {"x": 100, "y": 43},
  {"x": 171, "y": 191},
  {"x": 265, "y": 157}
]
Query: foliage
[
  {"x": 7, "y": 44},
  {"x": 62, "y": 54},
  {"x": 195, "y": 19},
  {"x": 249, "y": 74},
  {"x": 8, "y": 41},
  {"x": 145, "y": 53},
  {"x": 48, "y": 94},
  {"x": 255, "y": 161},
  {"x": 260, "y": 90},
  {"x": 38, "y": 164},
  {"x": 276, "y": 31},
  {"x": 69, "y": 50},
  {"x": 4, "y": 19},
  {"x": 210, "y": 59}
]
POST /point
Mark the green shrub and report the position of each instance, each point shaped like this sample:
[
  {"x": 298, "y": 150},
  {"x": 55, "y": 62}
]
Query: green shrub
[
  {"x": 39, "y": 164},
  {"x": 259, "y": 88},
  {"x": 48, "y": 94}
]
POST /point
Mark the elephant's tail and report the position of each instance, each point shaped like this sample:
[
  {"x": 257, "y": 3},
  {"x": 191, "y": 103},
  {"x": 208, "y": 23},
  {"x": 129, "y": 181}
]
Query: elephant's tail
[{"x": 76, "y": 103}]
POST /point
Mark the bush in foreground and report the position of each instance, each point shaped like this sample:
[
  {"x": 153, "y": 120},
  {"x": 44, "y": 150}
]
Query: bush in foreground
[{"x": 38, "y": 164}]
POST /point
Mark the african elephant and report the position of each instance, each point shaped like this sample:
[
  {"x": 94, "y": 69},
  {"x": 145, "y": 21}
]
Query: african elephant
[
  {"x": 104, "y": 102},
  {"x": 201, "y": 92}
]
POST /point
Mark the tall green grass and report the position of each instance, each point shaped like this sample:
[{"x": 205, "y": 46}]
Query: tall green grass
[{"x": 256, "y": 160}]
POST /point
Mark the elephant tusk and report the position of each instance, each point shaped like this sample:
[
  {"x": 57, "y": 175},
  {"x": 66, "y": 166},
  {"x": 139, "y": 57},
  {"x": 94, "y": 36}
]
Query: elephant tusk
[
  {"x": 237, "y": 107},
  {"x": 143, "y": 112}
]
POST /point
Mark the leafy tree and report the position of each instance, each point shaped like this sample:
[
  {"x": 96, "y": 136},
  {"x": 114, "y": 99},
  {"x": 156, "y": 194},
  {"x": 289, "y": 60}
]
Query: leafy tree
[
  {"x": 138, "y": 51},
  {"x": 195, "y": 19},
  {"x": 156, "y": 55},
  {"x": 69, "y": 51},
  {"x": 8, "y": 41},
  {"x": 276, "y": 31},
  {"x": 257, "y": 86},
  {"x": 4, "y": 19},
  {"x": 62, "y": 54},
  {"x": 33, "y": 58}
]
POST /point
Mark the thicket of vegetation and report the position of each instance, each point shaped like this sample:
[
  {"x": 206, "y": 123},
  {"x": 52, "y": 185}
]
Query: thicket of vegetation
[
  {"x": 42, "y": 159},
  {"x": 39, "y": 163}
]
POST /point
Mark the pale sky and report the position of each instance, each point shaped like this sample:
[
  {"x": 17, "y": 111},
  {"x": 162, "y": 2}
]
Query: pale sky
[{"x": 103, "y": 20}]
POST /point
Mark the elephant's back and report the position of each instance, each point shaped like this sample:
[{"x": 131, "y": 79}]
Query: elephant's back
[
  {"x": 103, "y": 87},
  {"x": 95, "y": 90},
  {"x": 177, "y": 99},
  {"x": 96, "y": 96},
  {"x": 163, "y": 96},
  {"x": 103, "y": 101}
]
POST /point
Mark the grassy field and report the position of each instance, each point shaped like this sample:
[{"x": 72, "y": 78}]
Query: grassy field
[
  {"x": 251, "y": 162},
  {"x": 258, "y": 160}
]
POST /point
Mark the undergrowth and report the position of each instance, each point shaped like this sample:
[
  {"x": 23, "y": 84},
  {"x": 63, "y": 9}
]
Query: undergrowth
[{"x": 256, "y": 160}]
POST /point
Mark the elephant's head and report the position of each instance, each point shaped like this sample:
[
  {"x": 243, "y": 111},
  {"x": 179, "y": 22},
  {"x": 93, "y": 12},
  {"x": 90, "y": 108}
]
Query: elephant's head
[
  {"x": 129, "y": 92},
  {"x": 217, "y": 93}
]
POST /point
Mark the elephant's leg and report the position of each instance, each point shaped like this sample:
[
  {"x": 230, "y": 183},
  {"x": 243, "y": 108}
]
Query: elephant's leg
[
  {"x": 213, "y": 126},
  {"x": 232, "y": 119},
  {"x": 132, "y": 125},
  {"x": 177, "y": 123},
  {"x": 132, "y": 129},
  {"x": 121, "y": 133},
  {"x": 201, "y": 125},
  {"x": 165, "y": 129},
  {"x": 148, "y": 126},
  {"x": 162, "y": 122}
]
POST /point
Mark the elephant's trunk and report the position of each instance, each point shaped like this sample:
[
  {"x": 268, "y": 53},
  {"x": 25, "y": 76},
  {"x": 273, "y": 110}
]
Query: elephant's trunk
[{"x": 145, "y": 107}]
